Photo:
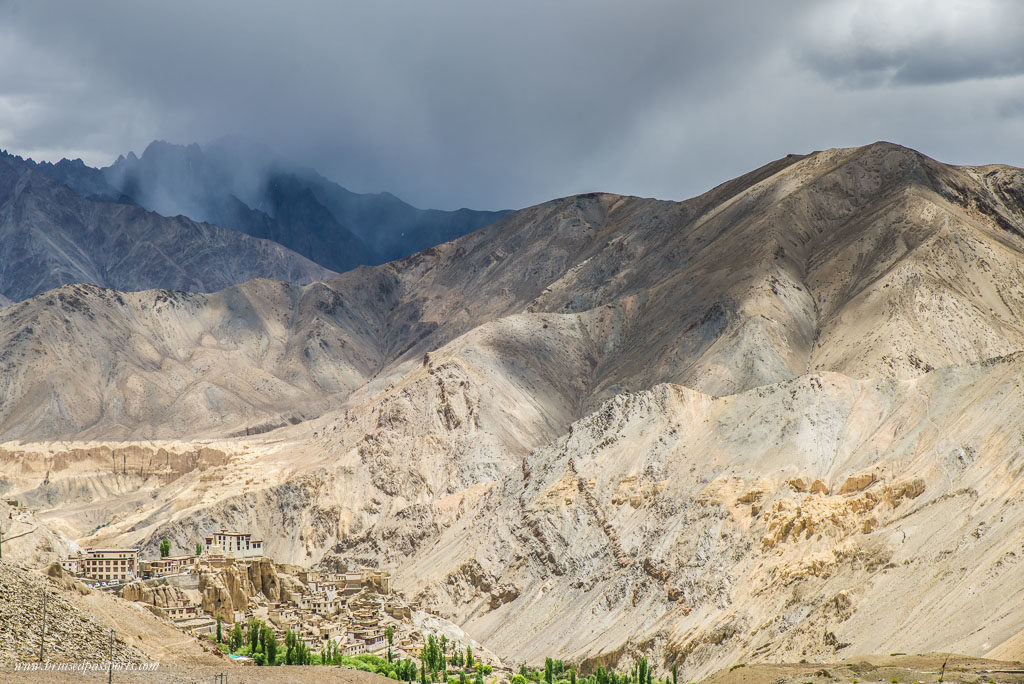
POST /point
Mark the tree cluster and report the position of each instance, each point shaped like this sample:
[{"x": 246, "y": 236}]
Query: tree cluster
[{"x": 559, "y": 672}]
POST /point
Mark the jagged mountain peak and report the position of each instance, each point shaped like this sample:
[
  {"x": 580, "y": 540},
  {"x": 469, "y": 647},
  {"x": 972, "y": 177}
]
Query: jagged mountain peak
[{"x": 345, "y": 230}]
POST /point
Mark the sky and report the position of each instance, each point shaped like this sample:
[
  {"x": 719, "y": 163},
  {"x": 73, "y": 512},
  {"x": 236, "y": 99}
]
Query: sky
[{"x": 488, "y": 104}]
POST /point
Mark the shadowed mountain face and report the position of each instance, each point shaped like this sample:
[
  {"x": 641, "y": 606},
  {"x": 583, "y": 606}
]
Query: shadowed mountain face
[
  {"x": 86, "y": 181},
  {"x": 244, "y": 186},
  {"x": 50, "y": 235},
  {"x": 778, "y": 420}
]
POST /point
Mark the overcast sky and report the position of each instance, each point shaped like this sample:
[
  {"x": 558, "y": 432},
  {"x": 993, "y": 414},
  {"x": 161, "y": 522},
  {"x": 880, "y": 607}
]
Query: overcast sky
[{"x": 504, "y": 104}]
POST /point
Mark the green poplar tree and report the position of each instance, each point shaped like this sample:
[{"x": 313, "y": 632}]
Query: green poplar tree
[
  {"x": 165, "y": 547},
  {"x": 270, "y": 645},
  {"x": 236, "y": 637},
  {"x": 254, "y": 636}
]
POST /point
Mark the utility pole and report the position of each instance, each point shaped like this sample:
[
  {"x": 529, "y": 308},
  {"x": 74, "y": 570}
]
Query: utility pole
[
  {"x": 42, "y": 637},
  {"x": 110, "y": 660}
]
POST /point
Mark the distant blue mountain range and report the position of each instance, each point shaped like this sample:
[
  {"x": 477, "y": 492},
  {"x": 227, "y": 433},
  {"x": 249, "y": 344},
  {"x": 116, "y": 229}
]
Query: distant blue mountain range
[{"x": 242, "y": 185}]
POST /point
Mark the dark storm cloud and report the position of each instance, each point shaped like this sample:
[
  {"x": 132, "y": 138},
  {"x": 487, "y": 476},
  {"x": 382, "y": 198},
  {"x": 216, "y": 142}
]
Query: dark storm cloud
[
  {"x": 872, "y": 43},
  {"x": 488, "y": 104}
]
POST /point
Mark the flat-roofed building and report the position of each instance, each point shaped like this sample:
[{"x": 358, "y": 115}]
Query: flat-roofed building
[
  {"x": 234, "y": 544},
  {"x": 72, "y": 565},
  {"x": 121, "y": 565},
  {"x": 171, "y": 565},
  {"x": 181, "y": 611}
]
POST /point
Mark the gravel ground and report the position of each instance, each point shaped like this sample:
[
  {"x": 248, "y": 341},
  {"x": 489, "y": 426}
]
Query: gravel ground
[
  {"x": 906, "y": 669},
  {"x": 236, "y": 674}
]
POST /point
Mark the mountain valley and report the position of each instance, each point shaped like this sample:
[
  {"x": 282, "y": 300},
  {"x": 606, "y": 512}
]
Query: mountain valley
[{"x": 778, "y": 421}]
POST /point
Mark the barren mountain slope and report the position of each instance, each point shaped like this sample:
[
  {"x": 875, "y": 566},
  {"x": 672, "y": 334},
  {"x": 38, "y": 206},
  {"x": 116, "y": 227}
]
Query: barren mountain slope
[
  {"x": 817, "y": 518},
  {"x": 867, "y": 261},
  {"x": 103, "y": 364},
  {"x": 50, "y": 236},
  {"x": 827, "y": 314}
]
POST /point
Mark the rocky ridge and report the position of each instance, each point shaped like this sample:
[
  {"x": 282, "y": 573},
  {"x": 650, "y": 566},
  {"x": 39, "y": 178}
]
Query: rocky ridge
[{"x": 49, "y": 236}]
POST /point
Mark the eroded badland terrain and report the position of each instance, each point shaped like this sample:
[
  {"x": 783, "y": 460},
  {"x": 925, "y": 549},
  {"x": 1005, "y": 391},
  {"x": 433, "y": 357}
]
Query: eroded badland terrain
[{"x": 781, "y": 421}]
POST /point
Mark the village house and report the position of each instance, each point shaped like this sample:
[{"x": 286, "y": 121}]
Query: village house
[
  {"x": 181, "y": 611},
  {"x": 171, "y": 565},
  {"x": 325, "y": 603},
  {"x": 372, "y": 640},
  {"x": 353, "y": 648},
  {"x": 413, "y": 648},
  {"x": 378, "y": 579},
  {"x": 73, "y": 565}
]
